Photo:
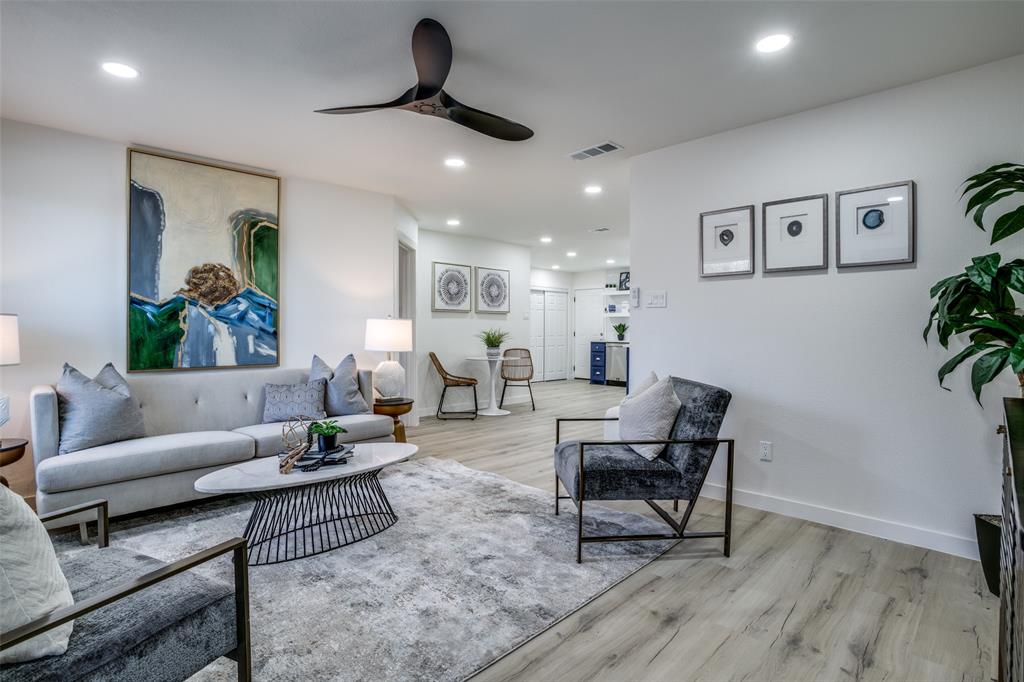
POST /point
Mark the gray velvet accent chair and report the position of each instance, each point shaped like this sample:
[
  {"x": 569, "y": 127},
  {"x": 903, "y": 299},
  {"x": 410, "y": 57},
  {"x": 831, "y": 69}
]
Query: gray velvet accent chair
[
  {"x": 164, "y": 625},
  {"x": 610, "y": 470}
]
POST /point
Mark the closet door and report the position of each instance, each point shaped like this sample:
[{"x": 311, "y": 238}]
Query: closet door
[
  {"x": 556, "y": 336},
  {"x": 537, "y": 333}
]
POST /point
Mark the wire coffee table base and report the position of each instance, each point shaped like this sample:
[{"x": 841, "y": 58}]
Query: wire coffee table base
[{"x": 292, "y": 523}]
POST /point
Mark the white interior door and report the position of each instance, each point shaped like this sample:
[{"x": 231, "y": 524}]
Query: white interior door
[
  {"x": 556, "y": 333},
  {"x": 537, "y": 332},
  {"x": 588, "y": 316}
]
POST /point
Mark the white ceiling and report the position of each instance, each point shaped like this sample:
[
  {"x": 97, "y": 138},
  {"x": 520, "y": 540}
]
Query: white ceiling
[{"x": 239, "y": 82}]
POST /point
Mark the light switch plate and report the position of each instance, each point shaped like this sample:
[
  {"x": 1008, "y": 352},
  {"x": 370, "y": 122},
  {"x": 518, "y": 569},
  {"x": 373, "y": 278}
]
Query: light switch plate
[{"x": 657, "y": 298}]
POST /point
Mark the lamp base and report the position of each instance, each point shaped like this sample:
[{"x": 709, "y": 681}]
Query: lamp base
[{"x": 389, "y": 379}]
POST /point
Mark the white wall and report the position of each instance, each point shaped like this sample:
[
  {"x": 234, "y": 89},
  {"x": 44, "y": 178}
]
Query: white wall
[
  {"x": 63, "y": 263},
  {"x": 550, "y": 279},
  {"x": 452, "y": 336},
  {"x": 831, "y": 367}
]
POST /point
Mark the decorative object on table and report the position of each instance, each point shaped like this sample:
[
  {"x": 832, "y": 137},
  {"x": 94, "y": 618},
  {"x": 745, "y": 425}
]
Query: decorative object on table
[
  {"x": 10, "y": 354},
  {"x": 286, "y": 464},
  {"x": 794, "y": 234},
  {"x": 202, "y": 265},
  {"x": 391, "y": 336},
  {"x": 343, "y": 396},
  {"x": 452, "y": 287},
  {"x": 449, "y": 380},
  {"x": 11, "y": 450},
  {"x": 96, "y": 411},
  {"x": 287, "y": 401},
  {"x": 620, "y": 330},
  {"x": 492, "y": 290},
  {"x": 326, "y": 433},
  {"x": 634, "y": 297},
  {"x": 727, "y": 242},
  {"x": 517, "y": 366},
  {"x": 295, "y": 432},
  {"x": 493, "y": 338},
  {"x": 395, "y": 409},
  {"x": 875, "y": 225},
  {"x": 624, "y": 281},
  {"x": 610, "y": 308}
]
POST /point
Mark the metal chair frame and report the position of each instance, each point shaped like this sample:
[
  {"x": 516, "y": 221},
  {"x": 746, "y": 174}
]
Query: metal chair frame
[{"x": 508, "y": 379}]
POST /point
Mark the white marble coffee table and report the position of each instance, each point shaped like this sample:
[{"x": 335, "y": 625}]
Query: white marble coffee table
[{"x": 305, "y": 513}]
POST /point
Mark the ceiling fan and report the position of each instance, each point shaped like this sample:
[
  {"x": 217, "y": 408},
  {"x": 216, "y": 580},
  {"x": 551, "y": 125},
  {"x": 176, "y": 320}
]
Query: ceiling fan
[{"x": 432, "y": 53}]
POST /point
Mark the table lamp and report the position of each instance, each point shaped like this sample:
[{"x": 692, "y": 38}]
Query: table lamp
[
  {"x": 10, "y": 354},
  {"x": 391, "y": 336}
]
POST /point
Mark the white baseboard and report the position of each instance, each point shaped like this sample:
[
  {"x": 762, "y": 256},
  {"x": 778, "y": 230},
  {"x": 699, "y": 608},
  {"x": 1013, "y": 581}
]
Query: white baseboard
[
  {"x": 453, "y": 406},
  {"x": 858, "y": 523}
]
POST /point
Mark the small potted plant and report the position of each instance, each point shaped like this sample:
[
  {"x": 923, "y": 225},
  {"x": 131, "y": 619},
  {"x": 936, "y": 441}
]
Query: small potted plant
[
  {"x": 493, "y": 338},
  {"x": 326, "y": 434},
  {"x": 620, "y": 330}
]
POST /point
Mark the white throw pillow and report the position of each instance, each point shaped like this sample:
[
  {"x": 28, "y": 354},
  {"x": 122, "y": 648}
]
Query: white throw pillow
[
  {"x": 643, "y": 385},
  {"x": 31, "y": 582},
  {"x": 649, "y": 416}
]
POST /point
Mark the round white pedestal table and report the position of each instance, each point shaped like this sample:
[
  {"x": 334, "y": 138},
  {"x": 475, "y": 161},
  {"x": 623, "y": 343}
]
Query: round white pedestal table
[{"x": 492, "y": 409}]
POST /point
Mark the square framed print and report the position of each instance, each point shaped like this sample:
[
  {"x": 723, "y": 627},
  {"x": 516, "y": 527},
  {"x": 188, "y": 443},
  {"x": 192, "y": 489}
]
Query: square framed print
[
  {"x": 492, "y": 290},
  {"x": 452, "y": 288},
  {"x": 794, "y": 234},
  {"x": 727, "y": 242},
  {"x": 876, "y": 225}
]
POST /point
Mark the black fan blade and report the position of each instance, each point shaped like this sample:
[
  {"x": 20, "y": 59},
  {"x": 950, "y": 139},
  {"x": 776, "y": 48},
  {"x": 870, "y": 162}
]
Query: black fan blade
[
  {"x": 432, "y": 52},
  {"x": 406, "y": 97},
  {"x": 482, "y": 122}
]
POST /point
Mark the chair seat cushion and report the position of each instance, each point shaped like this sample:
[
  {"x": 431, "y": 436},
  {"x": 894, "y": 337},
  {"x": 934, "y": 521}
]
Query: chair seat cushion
[
  {"x": 165, "y": 632},
  {"x": 359, "y": 427},
  {"x": 615, "y": 472},
  {"x": 141, "y": 458}
]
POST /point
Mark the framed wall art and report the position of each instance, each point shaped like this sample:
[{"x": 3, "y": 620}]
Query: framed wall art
[
  {"x": 794, "y": 234},
  {"x": 202, "y": 265},
  {"x": 727, "y": 242},
  {"x": 876, "y": 225},
  {"x": 452, "y": 288},
  {"x": 624, "y": 281},
  {"x": 492, "y": 290}
]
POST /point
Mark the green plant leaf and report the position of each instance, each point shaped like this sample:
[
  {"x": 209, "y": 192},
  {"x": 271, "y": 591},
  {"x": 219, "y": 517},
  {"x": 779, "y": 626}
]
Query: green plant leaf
[
  {"x": 942, "y": 284},
  {"x": 1008, "y": 224},
  {"x": 986, "y": 368},
  {"x": 1017, "y": 356},
  {"x": 955, "y": 361},
  {"x": 983, "y": 269}
]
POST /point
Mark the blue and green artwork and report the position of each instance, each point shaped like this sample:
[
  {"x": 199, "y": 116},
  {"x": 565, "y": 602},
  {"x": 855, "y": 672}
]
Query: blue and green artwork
[{"x": 202, "y": 265}]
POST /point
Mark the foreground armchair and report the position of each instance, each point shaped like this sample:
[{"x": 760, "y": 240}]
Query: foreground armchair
[
  {"x": 611, "y": 470},
  {"x": 164, "y": 625}
]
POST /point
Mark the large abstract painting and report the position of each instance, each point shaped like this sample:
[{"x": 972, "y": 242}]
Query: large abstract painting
[{"x": 202, "y": 265}]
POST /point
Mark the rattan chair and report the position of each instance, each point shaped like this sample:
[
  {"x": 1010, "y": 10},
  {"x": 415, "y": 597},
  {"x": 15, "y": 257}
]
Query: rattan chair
[
  {"x": 452, "y": 381},
  {"x": 517, "y": 365}
]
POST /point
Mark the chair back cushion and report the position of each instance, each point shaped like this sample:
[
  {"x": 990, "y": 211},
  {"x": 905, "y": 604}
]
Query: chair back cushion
[
  {"x": 96, "y": 411},
  {"x": 700, "y": 416},
  {"x": 31, "y": 582},
  {"x": 650, "y": 415}
]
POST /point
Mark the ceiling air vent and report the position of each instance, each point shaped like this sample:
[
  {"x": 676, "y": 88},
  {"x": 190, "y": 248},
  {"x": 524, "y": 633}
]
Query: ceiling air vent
[
  {"x": 596, "y": 150},
  {"x": 596, "y": 230}
]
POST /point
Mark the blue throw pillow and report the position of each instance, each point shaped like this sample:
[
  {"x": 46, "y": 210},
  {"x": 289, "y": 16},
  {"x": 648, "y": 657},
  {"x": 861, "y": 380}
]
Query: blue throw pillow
[{"x": 288, "y": 401}]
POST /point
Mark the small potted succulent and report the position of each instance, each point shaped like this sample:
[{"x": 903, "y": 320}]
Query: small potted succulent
[
  {"x": 493, "y": 338},
  {"x": 620, "y": 330},
  {"x": 326, "y": 434}
]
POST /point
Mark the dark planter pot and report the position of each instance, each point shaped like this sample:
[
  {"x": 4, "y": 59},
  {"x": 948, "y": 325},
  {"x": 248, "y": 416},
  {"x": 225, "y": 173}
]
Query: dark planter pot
[
  {"x": 989, "y": 541},
  {"x": 327, "y": 443},
  {"x": 622, "y": 337}
]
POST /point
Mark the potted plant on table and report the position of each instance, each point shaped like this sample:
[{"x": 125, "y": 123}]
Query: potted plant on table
[
  {"x": 493, "y": 338},
  {"x": 620, "y": 330},
  {"x": 980, "y": 302},
  {"x": 326, "y": 433}
]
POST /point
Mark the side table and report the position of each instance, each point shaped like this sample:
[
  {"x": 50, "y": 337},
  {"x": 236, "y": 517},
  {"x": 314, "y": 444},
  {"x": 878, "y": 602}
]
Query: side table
[
  {"x": 11, "y": 450},
  {"x": 395, "y": 409}
]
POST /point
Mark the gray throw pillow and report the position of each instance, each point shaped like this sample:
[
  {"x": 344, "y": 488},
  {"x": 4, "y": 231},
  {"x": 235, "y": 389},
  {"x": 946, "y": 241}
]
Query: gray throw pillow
[
  {"x": 288, "y": 401},
  {"x": 649, "y": 416},
  {"x": 96, "y": 411},
  {"x": 343, "y": 396}
]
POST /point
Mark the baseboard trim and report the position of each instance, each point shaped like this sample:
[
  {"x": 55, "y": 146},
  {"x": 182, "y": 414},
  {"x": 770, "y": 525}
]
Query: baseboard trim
[
  {"x": 859, "y": 523},
  {"x": 453, "y": 406}
]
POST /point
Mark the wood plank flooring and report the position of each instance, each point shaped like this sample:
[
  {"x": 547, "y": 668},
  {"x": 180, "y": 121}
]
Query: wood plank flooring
[{"x": 796, "y": 601}]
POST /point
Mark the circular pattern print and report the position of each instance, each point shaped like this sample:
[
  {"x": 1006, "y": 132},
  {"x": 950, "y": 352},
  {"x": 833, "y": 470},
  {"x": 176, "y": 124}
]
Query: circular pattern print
[
  {"x": 726, "y": 237},
  {"x": 873, "y": 219},
  {"x": 453, "y": 287},
  {"x": 794, "y": 228},
  {"x": 493, "y": 290}
]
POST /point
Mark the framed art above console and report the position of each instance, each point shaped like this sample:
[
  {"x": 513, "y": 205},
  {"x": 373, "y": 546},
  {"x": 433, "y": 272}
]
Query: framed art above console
[
  {"x": 727, "y": 242},
  {"x": 876, "y": 225},
  {"x": 794, "y": 234},
  {"x": 202, "y": 265}
]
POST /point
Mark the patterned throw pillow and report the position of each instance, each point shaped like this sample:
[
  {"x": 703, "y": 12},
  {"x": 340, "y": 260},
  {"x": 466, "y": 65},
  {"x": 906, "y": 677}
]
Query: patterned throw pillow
[
  {"x": 649, "y": 416},
  {"x": 96, "y": 411},
  {"x": 288, "y": 401},
  {"x": 343, "y": 396}
]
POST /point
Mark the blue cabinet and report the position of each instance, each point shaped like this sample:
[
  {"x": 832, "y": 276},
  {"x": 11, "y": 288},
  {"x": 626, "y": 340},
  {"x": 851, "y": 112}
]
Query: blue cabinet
[
  {"x": 609, "y": 363},
  {"x": 597, "y": 362}
]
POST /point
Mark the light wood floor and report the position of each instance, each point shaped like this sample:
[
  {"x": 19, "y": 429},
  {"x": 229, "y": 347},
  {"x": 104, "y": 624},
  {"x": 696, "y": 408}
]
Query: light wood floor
[{"x": 796, "y": 601}]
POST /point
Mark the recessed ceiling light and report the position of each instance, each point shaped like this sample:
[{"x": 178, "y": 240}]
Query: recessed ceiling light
[
  {"x": 894, "y": 199},
  {"x": 120, "y": 70},
  {"x": 545, "y": 240},
  {"x": 570, "y": 254},
  {"x": 610, "y": 261},
  {"x": 454, "y": 222},
  {"x": 773, "y": 43},
  {"x": 555, "y": 267},
  {"x": 454, "y": 162},
  {"x": 592, "y": 189}
]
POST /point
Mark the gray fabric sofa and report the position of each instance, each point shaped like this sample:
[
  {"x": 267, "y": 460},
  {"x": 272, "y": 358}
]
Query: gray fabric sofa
[{"x": 196, "y": 422}]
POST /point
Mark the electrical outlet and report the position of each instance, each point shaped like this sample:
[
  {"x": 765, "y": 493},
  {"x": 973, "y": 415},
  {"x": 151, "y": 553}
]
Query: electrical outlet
[{"x": 766, "y": 451}]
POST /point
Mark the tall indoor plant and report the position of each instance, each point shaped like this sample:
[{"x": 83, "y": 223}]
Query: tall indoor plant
[{"x": 981, "y": 303}]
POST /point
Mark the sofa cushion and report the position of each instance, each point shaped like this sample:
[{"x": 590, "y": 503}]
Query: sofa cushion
[
  {"x": 96, "y": 411},
  {"x": 289, "y": 401},
  {"x": 165, "y": 632},
  {"x": 615, "y": 472},
  {"x": 359, "y": 427},
  {"x": 343, "y": 395},
  {"x": 141, "y": 458}
]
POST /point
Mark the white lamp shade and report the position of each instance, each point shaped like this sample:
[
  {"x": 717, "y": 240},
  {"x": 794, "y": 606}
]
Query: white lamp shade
[
  {"x": 393, "y": 336},
  {"x": 10, "y": 350}
]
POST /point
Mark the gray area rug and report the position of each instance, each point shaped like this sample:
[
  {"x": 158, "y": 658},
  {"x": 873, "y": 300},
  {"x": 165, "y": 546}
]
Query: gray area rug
[{"x": 476, "y": 565}]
